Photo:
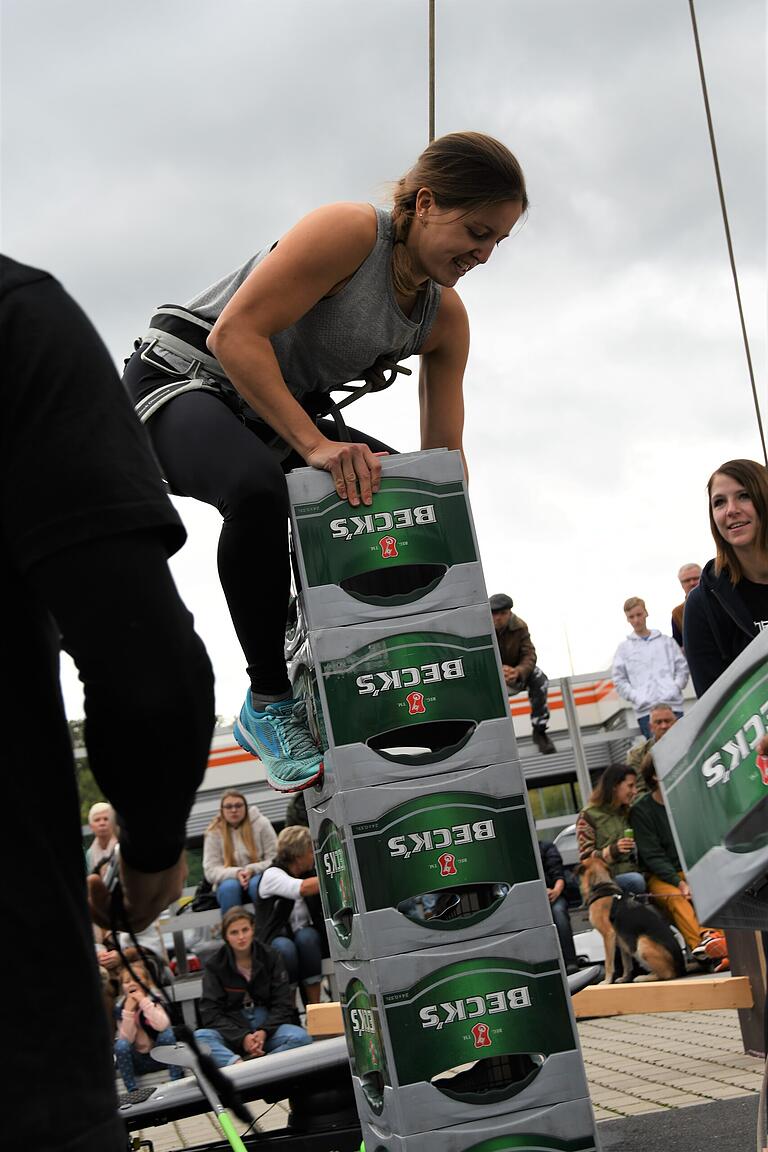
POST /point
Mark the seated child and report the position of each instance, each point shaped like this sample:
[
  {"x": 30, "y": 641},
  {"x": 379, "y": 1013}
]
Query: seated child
[{"x": 142, "y": 1024}]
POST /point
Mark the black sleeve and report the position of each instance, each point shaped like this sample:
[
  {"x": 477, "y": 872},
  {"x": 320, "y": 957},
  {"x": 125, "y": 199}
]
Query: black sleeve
[
  {"x": 75, "y": 463},
  {"x": 702, "y": 651},
  {"x": 232, "y": 1025},
  {"x": 552, "y": 863},
  {"x": 148, "y": 684}
]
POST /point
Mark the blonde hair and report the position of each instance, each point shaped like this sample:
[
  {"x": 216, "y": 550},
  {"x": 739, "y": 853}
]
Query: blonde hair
[
  {"x": 224, "y": 828},
  {"x": 292, "y": 843},
  {"x": 99, "y": 807},
  {"x": 633, "y": 603},
  {"x": 464, "y": 170}
]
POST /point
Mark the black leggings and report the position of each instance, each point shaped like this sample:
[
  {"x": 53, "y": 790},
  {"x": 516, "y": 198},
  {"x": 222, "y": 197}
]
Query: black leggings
[{"x": 207, "y": 452}]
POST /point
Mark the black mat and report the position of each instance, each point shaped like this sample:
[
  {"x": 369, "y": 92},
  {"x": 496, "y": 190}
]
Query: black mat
[{"x": 720, "y": 1126}]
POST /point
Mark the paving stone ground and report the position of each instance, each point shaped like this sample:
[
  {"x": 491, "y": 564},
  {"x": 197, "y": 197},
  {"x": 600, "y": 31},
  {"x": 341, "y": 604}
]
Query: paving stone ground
[{"x": 635, "y": 1064}]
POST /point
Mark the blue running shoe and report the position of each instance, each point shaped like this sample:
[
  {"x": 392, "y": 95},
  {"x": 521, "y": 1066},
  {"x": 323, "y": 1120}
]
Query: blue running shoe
[{"x": 281, "y": 739}]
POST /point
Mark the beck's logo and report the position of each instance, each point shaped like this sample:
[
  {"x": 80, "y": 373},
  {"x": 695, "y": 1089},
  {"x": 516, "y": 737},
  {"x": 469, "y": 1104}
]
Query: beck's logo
[
  {"x": 447, "y": 864},
  {"x": 372, "y": 683},
  {"x": 388, "y": 546},
  {"x": 470, "y": 1007},
  {"x": 350, "y": 526},
  {"x": 481, "y": 1035},
  {"x": 718, "y": 768},
  {"x": 415, "y": 702}
]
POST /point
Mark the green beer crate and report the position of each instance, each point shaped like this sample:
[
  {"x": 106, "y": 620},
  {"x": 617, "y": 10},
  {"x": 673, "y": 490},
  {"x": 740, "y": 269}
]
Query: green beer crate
[
  {"x": 715, "y": 787},
  {"x": 414, "y": 865},
  {"x": 410, "y": 698},
  {"x": 461, "y": 1033},
  {"x": 568, "y": 1127},
  {"x": 412, "y": 550}
]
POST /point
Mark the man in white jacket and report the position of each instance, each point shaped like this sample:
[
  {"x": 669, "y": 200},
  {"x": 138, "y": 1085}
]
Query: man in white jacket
[{"x": 648, "y": 667}]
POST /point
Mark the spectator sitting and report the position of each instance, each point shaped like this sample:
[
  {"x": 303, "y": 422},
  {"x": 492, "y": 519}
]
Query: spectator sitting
[
  {"x": 600, "y": 827},
  {"x": 554, "y": 877},
  {"x": 238, "y": 845},
  {"x": 142, "y": 1024},
  {"x": 730, "y": 605},
  {"x": 658, "y": 856},
  {"x": 101, "y": 819},
  {"x": 289, "y": 914},
  {"x": 689, "y": 576},
  {"x": 247, "y": 1002},
  {"x": 151, "y": 952},
  {"x": 518, "y": 663},
  {"x": 648, "y": 667},
  {"x": 661, "y": 719}
]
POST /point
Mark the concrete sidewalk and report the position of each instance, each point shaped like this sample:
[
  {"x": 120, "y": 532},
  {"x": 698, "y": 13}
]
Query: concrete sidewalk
[{"x": 635, "y": 1064}]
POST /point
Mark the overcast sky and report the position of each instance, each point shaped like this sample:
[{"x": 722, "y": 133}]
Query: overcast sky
[{"x": 150, "y": 147}]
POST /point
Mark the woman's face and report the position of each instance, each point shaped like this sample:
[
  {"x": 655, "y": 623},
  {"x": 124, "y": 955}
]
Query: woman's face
[
  {"x": 240, "y": 936},
  {"x": 624, "y": 793},
  {"x": 733, "y": 512},
  {"x": 234, "y": 810},
  {"x": 447, "y": 243}
]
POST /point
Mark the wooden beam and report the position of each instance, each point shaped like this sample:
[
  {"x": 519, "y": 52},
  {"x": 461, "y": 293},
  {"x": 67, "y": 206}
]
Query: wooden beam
[
  {"x": 700, "y": 994},
  {"x": 697, "y": 995}
]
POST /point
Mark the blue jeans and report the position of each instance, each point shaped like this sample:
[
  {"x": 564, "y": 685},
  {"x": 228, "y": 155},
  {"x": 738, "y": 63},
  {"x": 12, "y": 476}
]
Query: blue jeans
[
  {"x": 230, "y": 893},
  {"x": 284, "y": 1037},
  {"x": 631, "y": 883},
  {"x": 131, "y": 1063},
  {"x": 302, "y": 956},
  {"x": 563, "y": 924}
]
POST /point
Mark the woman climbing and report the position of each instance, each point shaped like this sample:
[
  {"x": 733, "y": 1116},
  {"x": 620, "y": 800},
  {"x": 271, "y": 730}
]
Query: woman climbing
[{"x": 234, "y": 383}]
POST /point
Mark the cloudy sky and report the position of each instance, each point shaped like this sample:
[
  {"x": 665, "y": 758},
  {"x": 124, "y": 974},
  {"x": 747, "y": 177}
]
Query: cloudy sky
[{"x": 150, "y": 147}]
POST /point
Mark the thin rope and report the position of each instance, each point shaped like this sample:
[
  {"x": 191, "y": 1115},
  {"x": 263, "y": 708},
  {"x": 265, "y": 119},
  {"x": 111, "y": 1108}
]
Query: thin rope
[
  {"x": 431, "y": 70},
  {"x": 727, "y": 228}
]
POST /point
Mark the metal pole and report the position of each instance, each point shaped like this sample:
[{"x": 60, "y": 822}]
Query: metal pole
[
  {"x": 582, "y": 771},
  {"x": 431, "y": 70}
]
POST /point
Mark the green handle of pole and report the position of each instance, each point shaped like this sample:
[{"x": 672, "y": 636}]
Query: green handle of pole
[{"x": 228, "y": 1129}]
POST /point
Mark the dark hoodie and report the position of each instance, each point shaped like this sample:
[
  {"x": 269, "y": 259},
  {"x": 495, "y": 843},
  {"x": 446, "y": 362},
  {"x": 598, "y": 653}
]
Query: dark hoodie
[
  {"x": 717, "y": 626},
  {"x": 225, "y": 991}
]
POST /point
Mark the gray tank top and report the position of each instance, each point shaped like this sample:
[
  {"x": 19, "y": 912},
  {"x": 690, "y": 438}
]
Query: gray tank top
[{"x": 340, "y": 337}]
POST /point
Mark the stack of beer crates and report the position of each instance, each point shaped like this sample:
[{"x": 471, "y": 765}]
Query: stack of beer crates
[{"x": 456, "y": 1008}]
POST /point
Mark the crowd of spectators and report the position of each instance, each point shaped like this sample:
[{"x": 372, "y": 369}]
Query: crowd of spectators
[
  {"x": 271, "y": 942},
  {"x": 248, "y": 1003}
]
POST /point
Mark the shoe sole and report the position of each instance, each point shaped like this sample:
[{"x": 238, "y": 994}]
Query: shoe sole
[
  {"x": 293, "y": 786},
  {"x": 244, "y": 740}
]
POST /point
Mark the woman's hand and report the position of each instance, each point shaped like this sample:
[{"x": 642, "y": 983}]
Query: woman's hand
[
  {"x": 244, "y": 877},
  {"x": 253, "y": 1043},
  {"x": 625, "y": 845},
  {"x": 355, "y": 470}
]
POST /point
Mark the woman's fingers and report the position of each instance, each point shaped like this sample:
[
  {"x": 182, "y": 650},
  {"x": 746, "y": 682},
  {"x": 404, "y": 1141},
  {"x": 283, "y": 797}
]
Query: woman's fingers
[{"x": 356, "y": 471}]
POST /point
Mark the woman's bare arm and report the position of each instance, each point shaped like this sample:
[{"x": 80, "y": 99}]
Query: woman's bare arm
[{"x": 315, "y": 257}]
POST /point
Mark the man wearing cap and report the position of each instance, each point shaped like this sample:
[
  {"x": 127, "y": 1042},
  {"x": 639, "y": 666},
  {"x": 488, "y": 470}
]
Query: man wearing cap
[{"x": 518, "y": 662}]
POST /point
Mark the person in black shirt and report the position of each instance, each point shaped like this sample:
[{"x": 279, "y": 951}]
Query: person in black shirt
[
  {"x": 554, "y": 878},
  {"x": 730, "y": 605},
  {"x": 85, "y": 533}
]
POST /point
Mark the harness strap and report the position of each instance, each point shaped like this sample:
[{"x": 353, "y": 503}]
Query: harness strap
[
  {"x": 155, "y": 400},
  {"x": 607, "y": 888}
]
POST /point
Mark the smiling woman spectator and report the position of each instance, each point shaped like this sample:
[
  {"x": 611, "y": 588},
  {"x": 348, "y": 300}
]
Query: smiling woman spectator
[{"x": 730, "y": 605}]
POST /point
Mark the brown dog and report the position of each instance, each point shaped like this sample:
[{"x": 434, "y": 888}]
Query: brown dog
[{"x": 635, "y": 927}]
